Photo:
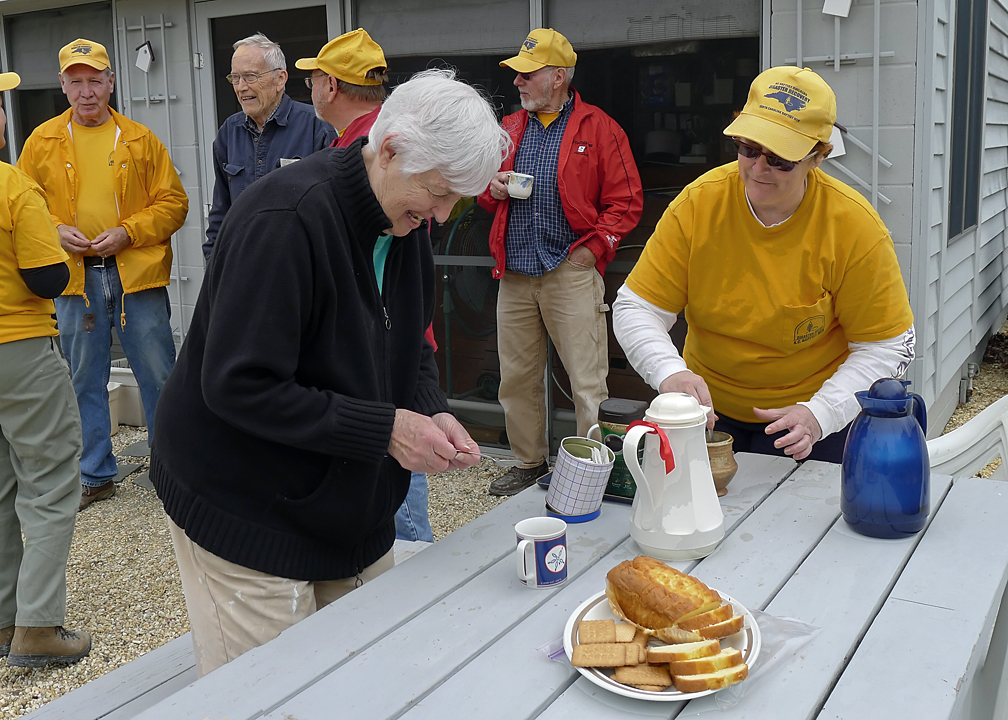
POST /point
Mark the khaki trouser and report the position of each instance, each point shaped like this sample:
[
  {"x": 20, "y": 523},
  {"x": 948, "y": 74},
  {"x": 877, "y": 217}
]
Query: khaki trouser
[
  {"x": 568, "y": 303},
  {"x": 233, "y": 609},
  {"x": 40, "y": 488}
]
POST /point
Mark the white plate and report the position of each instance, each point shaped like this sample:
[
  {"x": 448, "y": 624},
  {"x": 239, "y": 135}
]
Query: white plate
[{"x": 747, "y": 640}]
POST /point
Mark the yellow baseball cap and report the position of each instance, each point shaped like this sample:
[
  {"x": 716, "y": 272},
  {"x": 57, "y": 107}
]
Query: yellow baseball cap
[
  {"x": 789, "y": 110},
  {"x": 349, "y": 58},
  {"x": 542, "y": 47},
  {"x": 84, "y": 52},
  {"x": 9, "y": 81}
]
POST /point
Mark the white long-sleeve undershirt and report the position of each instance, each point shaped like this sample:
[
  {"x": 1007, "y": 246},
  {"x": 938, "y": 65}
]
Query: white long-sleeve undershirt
[{"x": 642, "y": 330}]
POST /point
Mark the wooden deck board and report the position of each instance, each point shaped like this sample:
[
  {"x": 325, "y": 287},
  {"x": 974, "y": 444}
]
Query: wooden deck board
[{"x": 941, "y": 613}]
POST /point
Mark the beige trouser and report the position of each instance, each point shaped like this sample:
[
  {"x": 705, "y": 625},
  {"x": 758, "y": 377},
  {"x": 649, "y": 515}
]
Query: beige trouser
[
  {"x": 233, "y": 609},
  {"x": 568, "y": 303}
]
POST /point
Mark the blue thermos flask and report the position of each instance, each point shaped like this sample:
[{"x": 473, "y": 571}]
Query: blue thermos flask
[{"x": 886, "y": 474}]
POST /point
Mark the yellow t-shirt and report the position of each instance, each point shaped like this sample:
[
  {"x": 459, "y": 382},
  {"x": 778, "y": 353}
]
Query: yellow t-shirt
[
  {"x": 28, "y": 239},
  {"x": 771, "y": 310},
  {"x": 96, "y": 203},
  {"x": 547, "y": 118}
]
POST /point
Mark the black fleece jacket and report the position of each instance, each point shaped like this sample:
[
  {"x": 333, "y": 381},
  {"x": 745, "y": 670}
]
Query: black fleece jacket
[{"x": 271, "y": 434}]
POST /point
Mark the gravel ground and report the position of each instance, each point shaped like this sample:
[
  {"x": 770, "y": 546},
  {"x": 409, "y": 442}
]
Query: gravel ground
[{"x": 123, "y": 586}]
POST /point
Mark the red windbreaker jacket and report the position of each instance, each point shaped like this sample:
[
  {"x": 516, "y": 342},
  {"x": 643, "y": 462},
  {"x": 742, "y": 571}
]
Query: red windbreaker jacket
[{"x": 600, "y": 188}]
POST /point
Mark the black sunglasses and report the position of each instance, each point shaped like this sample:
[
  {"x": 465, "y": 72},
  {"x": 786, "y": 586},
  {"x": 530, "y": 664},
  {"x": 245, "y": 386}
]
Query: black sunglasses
[{"x": 777, "y": 163}]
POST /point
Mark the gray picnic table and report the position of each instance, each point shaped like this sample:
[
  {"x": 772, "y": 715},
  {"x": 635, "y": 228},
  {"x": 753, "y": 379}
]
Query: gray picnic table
[{"x": 877, "y": 628}]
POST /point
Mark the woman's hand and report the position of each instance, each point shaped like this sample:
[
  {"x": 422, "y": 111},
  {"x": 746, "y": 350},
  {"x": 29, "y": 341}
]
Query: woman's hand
[
  {"x": 804, "y": 429},
  {"x": 692, "y": 384}
]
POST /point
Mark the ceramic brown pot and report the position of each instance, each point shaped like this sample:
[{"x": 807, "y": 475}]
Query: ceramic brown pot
[{"x": 722, "y": 460}]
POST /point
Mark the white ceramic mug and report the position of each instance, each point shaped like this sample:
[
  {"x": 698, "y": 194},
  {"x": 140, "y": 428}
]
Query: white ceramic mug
[
  {"x": 519, "y": 185},
  {"x": 542, "y": 551}
]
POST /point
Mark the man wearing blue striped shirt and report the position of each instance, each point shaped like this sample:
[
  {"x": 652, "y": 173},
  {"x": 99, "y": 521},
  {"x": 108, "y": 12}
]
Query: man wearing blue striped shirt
[{"x": 552, "y": 246}]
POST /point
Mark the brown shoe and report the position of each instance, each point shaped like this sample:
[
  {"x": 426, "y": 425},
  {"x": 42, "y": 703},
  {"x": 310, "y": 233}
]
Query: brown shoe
[
  {"x": 517, "y": 479},
  {"x": 38, "y": 646},
  {"x": 94, "y": 494},
  {"x": 6, "y": 635}
]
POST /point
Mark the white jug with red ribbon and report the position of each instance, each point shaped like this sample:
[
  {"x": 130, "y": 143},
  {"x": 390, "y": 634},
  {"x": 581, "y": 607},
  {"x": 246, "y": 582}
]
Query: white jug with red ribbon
[{"x": 676, "y": 514}]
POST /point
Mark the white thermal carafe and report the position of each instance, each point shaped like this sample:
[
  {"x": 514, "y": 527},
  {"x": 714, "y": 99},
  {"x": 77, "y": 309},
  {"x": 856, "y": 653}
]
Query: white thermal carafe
[{"x": 676, "y": 514}]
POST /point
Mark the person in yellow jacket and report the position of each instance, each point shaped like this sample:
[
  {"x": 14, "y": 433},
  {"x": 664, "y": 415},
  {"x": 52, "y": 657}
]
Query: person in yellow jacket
[
  {"x": 40, "y": 434},
  {"x": 116, "y": 200}
]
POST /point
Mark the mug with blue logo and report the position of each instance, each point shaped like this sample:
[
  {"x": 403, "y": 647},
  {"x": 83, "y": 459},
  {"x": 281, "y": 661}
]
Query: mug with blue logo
[{"x": 542, "y": 551}]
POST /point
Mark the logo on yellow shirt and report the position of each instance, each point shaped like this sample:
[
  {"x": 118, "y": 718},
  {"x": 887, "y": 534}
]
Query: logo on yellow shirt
[{"x": 809, "y": 329}]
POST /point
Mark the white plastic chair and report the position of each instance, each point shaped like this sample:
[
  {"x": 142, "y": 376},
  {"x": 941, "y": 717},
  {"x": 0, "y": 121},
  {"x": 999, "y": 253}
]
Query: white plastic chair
[{"x": 972, "y": 446}]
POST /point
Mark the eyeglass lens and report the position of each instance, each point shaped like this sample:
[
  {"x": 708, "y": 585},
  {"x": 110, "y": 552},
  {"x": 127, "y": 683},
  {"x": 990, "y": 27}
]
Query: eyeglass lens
[
  {"x": 777, "y": 163},
  {"x": 249, "y": 77}
]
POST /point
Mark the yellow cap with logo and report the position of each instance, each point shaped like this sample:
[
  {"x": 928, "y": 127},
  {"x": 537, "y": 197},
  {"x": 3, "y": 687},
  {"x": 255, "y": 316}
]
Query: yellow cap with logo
[
  {"x": 542, "y": 47},
  {"x": 9, "y": 81},
  {"x": 84, "y": 52},
  {"x": 349, "y": 57},
  {"x": 789, "y": 110}
]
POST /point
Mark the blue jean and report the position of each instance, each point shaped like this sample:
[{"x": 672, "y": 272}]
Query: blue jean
[
  {"x": 411, "y": 520},
  {"x": 86, "y": 338}
]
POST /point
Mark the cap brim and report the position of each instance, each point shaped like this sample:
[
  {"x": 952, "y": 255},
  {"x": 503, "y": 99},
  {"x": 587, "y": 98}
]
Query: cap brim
[
  {"x": 778, "y": 139},
  {"x": 86, "y": 61},
  {"x": 307, "y": 64},
  {"x": 522, "y": 64},
  {"x": 9, "y": 81}
]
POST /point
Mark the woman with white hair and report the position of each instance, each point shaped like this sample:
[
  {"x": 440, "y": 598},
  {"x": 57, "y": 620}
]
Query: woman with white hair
[{"x": 305, "y": 394}]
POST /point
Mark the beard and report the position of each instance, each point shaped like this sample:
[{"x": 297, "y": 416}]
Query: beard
[{"x": 544, "y": 95}]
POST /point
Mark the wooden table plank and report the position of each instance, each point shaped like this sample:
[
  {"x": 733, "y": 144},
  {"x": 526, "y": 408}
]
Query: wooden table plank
[
  {"x": 127, "y": 690},
  {"x": 311, "y": 649},
  {"x": 932, "y": 632},
  {"x": 485, "y": 687},
  {"x": 839, "y": 588}
]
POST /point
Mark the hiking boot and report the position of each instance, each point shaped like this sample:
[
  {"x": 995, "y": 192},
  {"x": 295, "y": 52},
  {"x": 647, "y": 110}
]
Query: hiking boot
[
  {"x": 517, "y": 479},
  {"x": 6, "y": 634},
  {"x": 94, "y": 494},
  {"x": 38, "y": 646}
]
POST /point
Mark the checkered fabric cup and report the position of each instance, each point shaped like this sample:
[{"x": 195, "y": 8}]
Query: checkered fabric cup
[{"x": 577, "y": 483}]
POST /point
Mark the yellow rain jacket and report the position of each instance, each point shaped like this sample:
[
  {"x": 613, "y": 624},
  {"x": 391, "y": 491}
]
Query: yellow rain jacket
[{"x": 152, "y": 202}]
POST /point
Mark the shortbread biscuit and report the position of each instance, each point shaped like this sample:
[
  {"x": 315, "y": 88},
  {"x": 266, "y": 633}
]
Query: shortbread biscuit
[
  {"x": 632, "y": 653},
  {"x": 625, "y": 633},
  {"x": 644, "y": 675},
  {"x": 599, "y": 655},
  {"x": 591, "y": 632}
]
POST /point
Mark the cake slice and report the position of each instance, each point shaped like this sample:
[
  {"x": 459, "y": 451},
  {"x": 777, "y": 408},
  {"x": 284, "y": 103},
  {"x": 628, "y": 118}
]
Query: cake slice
[
  {"x": 685, "y": 651},
  {"x": 724, "y": 659},
  {"x": 711, "y": 617},
  {"x": 711, "y": 681},
  {"x": 722, "y": 629}
]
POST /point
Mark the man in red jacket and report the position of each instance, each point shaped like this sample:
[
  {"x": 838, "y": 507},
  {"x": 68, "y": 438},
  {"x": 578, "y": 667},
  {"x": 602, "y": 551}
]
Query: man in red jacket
[
  {"x": 346, "y": 84},
  {"x": 552, "y": 247}
]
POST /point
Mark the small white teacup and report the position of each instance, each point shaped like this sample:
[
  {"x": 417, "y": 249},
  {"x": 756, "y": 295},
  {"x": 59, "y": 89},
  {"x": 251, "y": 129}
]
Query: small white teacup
[{"x": 519, "y": 185}]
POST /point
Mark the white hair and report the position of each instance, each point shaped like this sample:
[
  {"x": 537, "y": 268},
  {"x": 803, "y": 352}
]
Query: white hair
[
  {"x": 272, "y": 53},
  {"x": 570, "y": 75},
  {"x": 439, "y": 123}
]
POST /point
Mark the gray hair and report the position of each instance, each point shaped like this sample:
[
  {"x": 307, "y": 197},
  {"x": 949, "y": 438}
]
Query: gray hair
[
  {"x": 271, "y": 51},
  {"x": 570, "y": 74},
  {"x": 439, "y": 123},
  {"x": 365, "y": 93}
]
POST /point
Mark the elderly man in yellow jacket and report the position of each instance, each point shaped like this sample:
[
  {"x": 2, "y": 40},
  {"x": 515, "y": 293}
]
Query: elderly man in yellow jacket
[{"x": 116, "y": 200}]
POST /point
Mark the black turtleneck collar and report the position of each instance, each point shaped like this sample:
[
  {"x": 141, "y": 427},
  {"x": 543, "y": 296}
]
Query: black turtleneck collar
[{"x": 353, "y": 192}]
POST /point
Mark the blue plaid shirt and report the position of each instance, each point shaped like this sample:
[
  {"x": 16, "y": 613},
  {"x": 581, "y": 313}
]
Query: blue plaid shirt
[{"x": 538, "y": 235}]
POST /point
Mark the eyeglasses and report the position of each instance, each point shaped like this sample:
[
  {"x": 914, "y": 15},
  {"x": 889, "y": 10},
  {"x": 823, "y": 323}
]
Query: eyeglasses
[
  {"x": 528, "y": 76},
  {"x": 250, "y": 78},
  {"x": 310, "y": 81},
  {"x": 777, "y": 163}
]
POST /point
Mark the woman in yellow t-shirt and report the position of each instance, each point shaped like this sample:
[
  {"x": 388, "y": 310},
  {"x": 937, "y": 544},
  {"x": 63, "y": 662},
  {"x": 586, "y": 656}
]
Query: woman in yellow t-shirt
[
  {"x": 40, "y": 432},
  {"x": 788, "y": 278}
]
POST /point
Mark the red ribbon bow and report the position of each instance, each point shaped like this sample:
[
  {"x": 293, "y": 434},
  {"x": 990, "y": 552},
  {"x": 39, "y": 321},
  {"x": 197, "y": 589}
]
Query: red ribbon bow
[{"x": 664, "y": 448}]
